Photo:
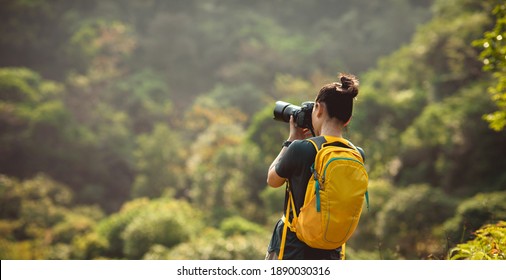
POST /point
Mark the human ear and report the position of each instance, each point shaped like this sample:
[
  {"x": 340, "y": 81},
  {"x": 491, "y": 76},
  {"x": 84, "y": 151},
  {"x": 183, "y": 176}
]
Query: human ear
[
  {"x": 319, "y": 108},
  {"x": 347, "y": 122}
]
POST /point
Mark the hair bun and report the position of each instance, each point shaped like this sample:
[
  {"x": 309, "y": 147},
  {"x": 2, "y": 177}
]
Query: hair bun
[
  {"x": 349, "y": 84},
  {"x": 346, "y": 82}
]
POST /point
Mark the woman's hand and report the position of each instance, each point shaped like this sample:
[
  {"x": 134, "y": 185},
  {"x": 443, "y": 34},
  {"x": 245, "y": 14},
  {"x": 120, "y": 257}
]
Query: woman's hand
[{"x": 297, "y": 133}]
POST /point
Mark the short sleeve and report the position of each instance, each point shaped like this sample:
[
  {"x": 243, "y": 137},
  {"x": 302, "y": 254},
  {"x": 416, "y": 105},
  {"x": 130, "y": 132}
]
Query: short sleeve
[
  {"x": 291, "y": 160},
  {"x": 285, "y": 162}
]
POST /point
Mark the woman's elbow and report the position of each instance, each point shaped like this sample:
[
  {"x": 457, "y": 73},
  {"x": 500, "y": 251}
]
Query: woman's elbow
[
  {"x": 270, "y": 182},
  {"x": 274, "y": 180},
  {"x": 273, "y": 184}
]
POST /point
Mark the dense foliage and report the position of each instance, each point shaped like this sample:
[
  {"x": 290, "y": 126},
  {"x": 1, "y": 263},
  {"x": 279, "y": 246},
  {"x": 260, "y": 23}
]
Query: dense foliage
[
  {"x": 494, "y": 60},
  {"x": 489, "y": 244},
  {"x": 143, "y": 129}
]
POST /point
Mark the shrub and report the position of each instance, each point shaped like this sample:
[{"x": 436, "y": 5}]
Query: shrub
[
  {"x": 406, "y": 222},
  {"x": 473, "y": 213},
  {"x": 489, "y": 244}
]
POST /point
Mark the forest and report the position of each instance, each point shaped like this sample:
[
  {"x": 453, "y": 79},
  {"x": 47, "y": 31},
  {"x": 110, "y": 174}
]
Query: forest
[{"x": 144, "y": 129}]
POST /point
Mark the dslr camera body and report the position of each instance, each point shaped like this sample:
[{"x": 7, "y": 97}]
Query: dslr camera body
[{"x": 301, "y": 115}]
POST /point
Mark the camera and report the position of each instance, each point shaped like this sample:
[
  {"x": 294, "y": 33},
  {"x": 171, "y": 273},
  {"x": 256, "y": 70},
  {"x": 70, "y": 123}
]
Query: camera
[{"x": 301, "y": 115}]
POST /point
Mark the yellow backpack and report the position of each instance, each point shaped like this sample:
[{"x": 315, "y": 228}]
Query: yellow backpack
[{"x": 334, "y": 196}]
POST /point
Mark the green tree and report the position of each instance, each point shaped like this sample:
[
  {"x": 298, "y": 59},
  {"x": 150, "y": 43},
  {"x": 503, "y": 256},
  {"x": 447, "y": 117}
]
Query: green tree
[
  {"x": 159, "y": 160},
  {"x": 428, "y": 81},
  {"x": 35, "y": 34},
  {"x": 365, "y": 243},
  {"x": 213, "y": 245},
  {"x": 473, "y": 213},
  {"x": 38, "y": 219},
  {"x": 440, "y": 140},
  {"x": 71, "y": 237},
  {"x": 36, "y": 126},
  {"x": 223, "y": 169},
  {"x": 93, "y": 101},
  {"x": 220, "y": 184},
  {"x": 112, "y": 226},
  {"x": 145, "y": 97},
  {"x": 237, "y": 225},
  {"x": 143, "y": 223},
  {"x": 167, "y": 224},
  {"x": 405, "y": 222},
  {"x": 494, "y": 60}
]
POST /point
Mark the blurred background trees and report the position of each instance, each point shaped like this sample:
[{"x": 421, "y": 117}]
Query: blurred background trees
[{"x": 143, "y": 130}]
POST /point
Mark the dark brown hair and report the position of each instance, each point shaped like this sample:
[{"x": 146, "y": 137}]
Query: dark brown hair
[{"x": 338, "y": 97}]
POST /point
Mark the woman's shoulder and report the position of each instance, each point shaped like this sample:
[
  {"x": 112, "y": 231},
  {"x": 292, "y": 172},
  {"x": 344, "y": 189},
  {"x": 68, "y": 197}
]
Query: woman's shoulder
[
  {"x": 304, "y": 146},
  {"x": 310, "y": 142}
]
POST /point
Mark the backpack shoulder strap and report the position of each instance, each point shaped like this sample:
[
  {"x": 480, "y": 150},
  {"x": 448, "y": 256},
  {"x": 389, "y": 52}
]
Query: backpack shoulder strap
[
  {"x": 359, "y": 149},
  {"x": 361, "y": 153},
  {"x": 287, "y": 223},
  {"x": 317, "y": 142},
  {"x": 349, "y": 145}
]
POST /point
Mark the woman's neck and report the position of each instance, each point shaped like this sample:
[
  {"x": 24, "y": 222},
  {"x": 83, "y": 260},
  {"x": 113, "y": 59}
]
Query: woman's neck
[{"x": 331, "y": 128}]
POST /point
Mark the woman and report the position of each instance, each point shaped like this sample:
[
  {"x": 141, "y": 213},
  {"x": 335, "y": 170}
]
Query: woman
[{"x": 331, "y": 113}]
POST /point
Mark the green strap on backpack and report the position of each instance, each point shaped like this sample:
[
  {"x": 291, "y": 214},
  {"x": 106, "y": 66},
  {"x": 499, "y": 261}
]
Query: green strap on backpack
[{"x": 334, "y": 196}]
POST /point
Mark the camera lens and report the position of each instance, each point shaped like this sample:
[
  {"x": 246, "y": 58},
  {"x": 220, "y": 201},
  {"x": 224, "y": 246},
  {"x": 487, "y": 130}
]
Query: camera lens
[
  {"x": 283, "y": 111},
  {"x": 301, "y": 115}
]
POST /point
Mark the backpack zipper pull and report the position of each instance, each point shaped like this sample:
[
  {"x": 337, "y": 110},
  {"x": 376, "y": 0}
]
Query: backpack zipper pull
[
  {"x": 367, "y": 199},
  {"x": 317, "y": 187},
  {"x": 317, "y": 190}
]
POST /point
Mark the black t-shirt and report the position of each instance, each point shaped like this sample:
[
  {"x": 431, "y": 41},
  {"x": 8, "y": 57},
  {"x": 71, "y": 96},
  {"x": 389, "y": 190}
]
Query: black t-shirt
[{"x": 295, "y": 165}]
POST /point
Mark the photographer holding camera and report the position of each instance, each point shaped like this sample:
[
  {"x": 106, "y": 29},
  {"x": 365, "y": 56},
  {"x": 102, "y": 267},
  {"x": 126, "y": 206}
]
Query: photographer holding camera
[{"x": 326, "y": 119}]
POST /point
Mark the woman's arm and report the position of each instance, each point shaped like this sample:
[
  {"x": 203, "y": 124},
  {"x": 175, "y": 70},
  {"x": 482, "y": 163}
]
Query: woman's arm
[{"x": 273, "y": 178}]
